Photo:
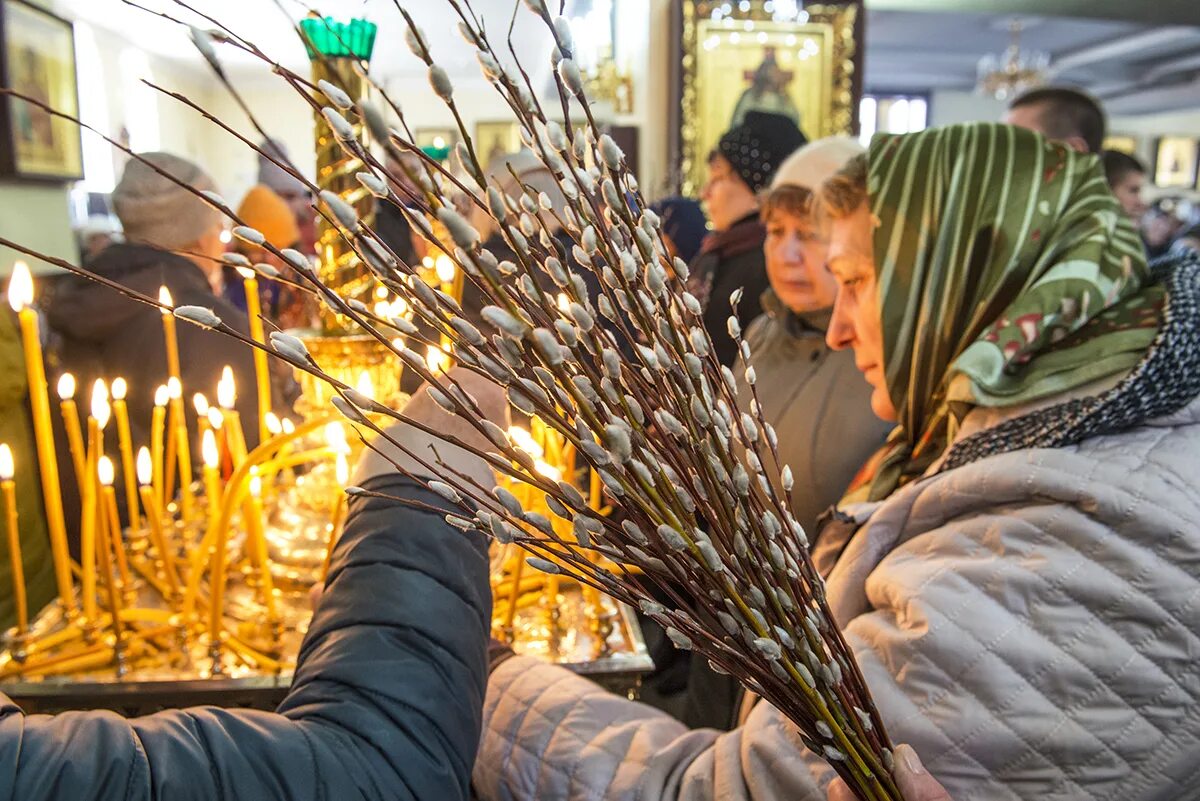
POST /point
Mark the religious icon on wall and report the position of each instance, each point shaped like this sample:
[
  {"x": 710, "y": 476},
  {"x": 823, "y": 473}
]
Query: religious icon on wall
[
  {"x": 1175, "y": 162},
  {"x": 494, "y": 140},
  {"x": 37, "y": 59},
  {"x": 741, "y": 61}
]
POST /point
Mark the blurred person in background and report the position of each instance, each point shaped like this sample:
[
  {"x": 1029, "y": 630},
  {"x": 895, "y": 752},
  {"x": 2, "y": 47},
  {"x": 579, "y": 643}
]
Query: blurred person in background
[
  {"x": 731, "y": 257},
  {"x": 292, "y": 190},
  {"x": 1126, "y": 177},
  {"x": 683, "y": 226},
  {"x": 1061, "y": 113}
]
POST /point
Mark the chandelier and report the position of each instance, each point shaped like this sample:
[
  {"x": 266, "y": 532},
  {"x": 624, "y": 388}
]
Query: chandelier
[{"x": 1009, "y": 73}]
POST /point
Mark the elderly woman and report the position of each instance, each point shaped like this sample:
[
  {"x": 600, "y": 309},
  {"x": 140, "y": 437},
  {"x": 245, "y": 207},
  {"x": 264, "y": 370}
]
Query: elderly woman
[{"x": 1021, "y": 577}]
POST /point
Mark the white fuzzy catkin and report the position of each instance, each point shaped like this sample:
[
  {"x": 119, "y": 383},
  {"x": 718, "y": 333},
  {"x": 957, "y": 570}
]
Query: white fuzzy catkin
[
  {"x": 199, "y": 315},
  {"x": 336, "y": 96}
]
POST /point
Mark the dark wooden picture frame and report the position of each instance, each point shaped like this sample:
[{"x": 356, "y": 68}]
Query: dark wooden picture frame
[{"x": 53, "y": 148}]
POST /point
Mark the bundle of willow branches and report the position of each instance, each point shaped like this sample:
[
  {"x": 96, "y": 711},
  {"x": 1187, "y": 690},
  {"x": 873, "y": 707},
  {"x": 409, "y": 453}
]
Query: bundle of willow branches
[{"x": 625, "y": 373}]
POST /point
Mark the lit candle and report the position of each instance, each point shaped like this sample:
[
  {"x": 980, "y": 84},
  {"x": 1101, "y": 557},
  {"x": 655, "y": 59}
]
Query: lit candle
[
  {"x": 200, "y": 404},
  {"x": 262, "y": 374},
  {"x": 252, "y": 510},
  {"x": 97, "y": 420},
  {"x": 437, "y": 359},
  {"x": 104, "y": 471},
  {"x": 125, "y": 445},
  {"x": 70, "y": 415},
  {"x": 145, "y": 472},
  {"x": 212, "y": 476},
  {"x": 157, "y": 420},
  {"x": 183, "y": 446},
  {"x": 108, "y": 503},
  {"x": 342, "y": 474},
  {"x": 20, "y": 295},
  {"x": 444, "y": 267},
  {"x": 168, "y": 321},
  {"x": 227, "y": 399},
  {"x": 8, "y": 488}
]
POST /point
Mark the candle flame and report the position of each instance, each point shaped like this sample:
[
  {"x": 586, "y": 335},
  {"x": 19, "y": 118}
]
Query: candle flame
[
  {"x": 436, "y": 359},
  {"x": 6, "y": 463},
  {"x": 365, "y": 385},
  {"x": 20, "y": 287},
  {"x": 145, "y": 468},
  {"x": 226, "y": 389},
  {"x": 164, "y": 299},
  {"x": 161, "y": 396},
  {"x": 246, "y": 273},
  {"x": 398, "y": 343},
  {"x": 288, "y": 426},
  {"x": 525, "y": 441},
  {"x": 427, "y": 262},
  {"x": 271, "y": 420},
  {"x": 381, "y": 292},
  {"x": 66, "y": 386},
  {"x": 342, "y": 469},
  {"x": 335, "y": 438},
  {"x": 445, "y": 268},
  {"x": 174, "y": 388},
  {"x": 100, "y": 407},
  {"x": 104, "y": 469},
  {"x": 208, "y": 449},
  {"x": 255, "y": 482},
  {"x": 201, "y": 404},
  {"x": 215, "y": 418},
  {"x": 400, "y": 308},
  {"x": 548, "y": 470},
  {"x": 119, "y": 388},
  {"x": 383, "y": 309}
]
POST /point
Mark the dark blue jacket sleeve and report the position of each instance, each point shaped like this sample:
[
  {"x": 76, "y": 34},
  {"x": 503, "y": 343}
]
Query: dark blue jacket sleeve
[{"x": 386, "y": 701}]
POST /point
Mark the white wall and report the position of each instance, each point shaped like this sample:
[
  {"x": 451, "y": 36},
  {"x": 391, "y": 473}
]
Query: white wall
[{"x": 948, "y": 106}]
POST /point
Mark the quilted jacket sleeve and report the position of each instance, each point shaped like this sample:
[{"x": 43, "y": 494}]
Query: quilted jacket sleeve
[
  {"x": 385, "y": 702},
  {"x": 1028, "y": 647}
]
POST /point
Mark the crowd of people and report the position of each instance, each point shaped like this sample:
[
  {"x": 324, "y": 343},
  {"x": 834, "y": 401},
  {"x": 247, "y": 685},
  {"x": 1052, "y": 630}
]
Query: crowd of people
[{"x": 979, "y": 354}]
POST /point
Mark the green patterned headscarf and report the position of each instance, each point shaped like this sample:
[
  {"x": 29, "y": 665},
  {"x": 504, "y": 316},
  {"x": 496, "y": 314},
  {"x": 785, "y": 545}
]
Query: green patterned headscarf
[{"x": 1007, "y": 273}]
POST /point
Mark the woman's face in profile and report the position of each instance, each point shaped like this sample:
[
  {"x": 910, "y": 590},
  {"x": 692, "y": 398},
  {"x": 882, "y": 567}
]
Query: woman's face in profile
[{"x": 856, "y": 319}]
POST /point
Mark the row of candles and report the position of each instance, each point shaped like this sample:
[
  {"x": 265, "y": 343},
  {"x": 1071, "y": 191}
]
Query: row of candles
[{"x": 148, "y": 479}]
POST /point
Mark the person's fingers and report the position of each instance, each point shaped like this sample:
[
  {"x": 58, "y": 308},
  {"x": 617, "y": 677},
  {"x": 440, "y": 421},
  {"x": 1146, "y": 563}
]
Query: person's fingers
[
  {"x": 914, "y": 781},
  {"x": 839, "y": 791}
]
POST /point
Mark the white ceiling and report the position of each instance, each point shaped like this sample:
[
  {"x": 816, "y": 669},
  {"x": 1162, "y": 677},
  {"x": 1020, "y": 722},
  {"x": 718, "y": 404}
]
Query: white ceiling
[{"x": 912, "y": 45}]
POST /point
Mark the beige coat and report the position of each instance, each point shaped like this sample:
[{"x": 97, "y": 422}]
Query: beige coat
[{"x": 1030, "y": 623}]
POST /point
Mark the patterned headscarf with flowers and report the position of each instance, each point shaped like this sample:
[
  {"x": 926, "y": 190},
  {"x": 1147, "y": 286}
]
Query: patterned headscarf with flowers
[{"x": 1006, "y": 274}]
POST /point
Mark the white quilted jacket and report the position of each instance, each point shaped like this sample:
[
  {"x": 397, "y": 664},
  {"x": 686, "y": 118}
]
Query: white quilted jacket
[{"x": 1030, "y": 623}]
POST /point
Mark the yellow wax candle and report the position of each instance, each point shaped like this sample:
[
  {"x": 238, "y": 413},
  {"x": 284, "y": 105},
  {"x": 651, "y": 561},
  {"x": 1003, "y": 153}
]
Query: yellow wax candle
[
  {"x": 157, "y": 421},
  {"x": 108, "y": 503},
  {"x": 92, "y": 516},
  {"x": 125, "y": 445},
  {"x": 20, "y": 295},
  {"x": 338, "y": 513},
  {"x": 252, "y": 510},
  {"x": 183, "y": 446},
  {"x": 145, "y": 472},
  {"x": 212, "y": 476},
  {"x": 168, "y": 321},
  {"x": 226, "y": 399},
  {"x": 8, "y": 488},
  {"x": 262, "y": 374},
  {"x": 200, "y": 404},
  {"x": 105, "y": 535},
  {"x": 70, "y": 416}
]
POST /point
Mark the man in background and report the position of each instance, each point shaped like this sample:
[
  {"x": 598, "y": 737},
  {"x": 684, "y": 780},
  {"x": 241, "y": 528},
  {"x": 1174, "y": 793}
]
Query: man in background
[
  {"x": 1063, "y": 114},
  {"x": 1127, "y": 178}
]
